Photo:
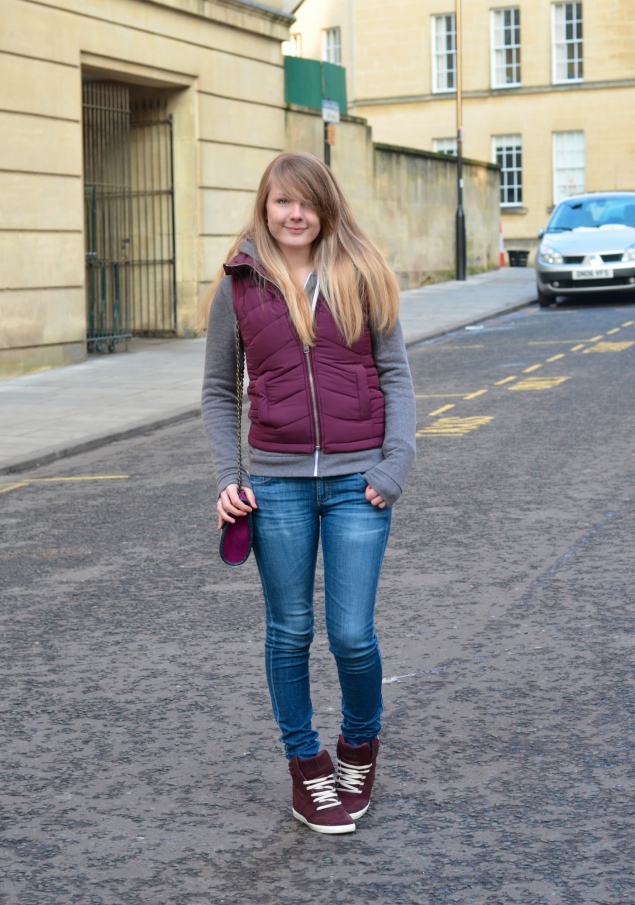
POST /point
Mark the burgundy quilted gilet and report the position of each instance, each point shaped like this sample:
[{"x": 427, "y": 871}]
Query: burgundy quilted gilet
[{"x": 301, "y": 399}]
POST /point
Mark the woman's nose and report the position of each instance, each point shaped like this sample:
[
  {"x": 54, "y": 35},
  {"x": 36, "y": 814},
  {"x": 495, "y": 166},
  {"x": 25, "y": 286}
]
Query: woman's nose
[{"x": 296, "y": 211}]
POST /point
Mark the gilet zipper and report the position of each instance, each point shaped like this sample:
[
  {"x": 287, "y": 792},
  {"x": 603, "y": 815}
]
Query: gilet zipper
[{"x": 307, "y": 352}]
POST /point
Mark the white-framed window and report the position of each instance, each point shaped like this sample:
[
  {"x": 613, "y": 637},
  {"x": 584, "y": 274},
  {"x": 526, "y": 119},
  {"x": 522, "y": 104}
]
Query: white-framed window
[
  {"x": 508, "y": 154},
  {"x": 505, "y": 43},
  {"x": 568, "y": 164},
  {"x": 444, "y": 146},
  {"x": 566, "y": 53},
  {"x": 332, "y": 45},
  {"x": 444, "y": 53},
  {"x": 293, "y": 47}
]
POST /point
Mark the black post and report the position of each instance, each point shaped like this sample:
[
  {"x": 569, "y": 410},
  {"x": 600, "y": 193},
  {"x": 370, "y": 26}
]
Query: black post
[
  {"x": 327, "y": 147},
  {"x": 461, "y": 252},
  {"x": 460, "y": 214}
]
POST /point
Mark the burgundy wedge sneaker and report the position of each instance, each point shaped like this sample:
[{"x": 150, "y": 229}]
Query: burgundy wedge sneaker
[
  {"x": 315, "y": 800},
  {"x": 356, "y": 775}
]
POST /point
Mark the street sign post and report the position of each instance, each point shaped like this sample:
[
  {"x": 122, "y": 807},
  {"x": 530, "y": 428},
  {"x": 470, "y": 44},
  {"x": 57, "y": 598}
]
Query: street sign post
[
  {"x": 330, "y": 111},
  {"x": 330, "y": 117}
]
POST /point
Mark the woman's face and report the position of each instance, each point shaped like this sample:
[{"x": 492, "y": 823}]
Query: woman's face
[{"x": 294, "y": 225}]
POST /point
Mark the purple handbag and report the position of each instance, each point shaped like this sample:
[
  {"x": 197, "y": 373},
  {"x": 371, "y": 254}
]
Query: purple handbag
[{"x": 235, "y": 539}]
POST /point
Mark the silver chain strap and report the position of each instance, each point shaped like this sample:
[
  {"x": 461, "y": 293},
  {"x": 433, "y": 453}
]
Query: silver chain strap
[{"x": 240, "y": 384}]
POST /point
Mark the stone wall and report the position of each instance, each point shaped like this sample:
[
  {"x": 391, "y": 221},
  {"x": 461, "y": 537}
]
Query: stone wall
[{"x": 406, "y": 199}]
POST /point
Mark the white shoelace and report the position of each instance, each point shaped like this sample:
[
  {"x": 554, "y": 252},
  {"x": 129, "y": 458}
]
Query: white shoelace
[
  {"x": 323, "y": 792},
  {"x": 350, "y": 778}
]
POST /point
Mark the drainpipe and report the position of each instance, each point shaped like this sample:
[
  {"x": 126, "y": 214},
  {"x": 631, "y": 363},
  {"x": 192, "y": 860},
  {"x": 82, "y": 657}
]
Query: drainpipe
[{"x": 352, "y": 27}]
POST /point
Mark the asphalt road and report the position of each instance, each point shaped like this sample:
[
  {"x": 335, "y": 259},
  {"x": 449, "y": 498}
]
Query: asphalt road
[{"x": 140, "y": 763}]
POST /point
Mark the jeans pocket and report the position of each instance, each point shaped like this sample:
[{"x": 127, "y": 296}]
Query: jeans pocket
[{"x": 260, "y": 480}]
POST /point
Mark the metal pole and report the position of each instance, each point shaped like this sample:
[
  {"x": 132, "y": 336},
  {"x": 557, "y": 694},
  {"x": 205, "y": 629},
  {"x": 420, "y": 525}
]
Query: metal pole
[
  {"x": 327, "y": 147},
  {"x": 460, "y": 214},
  {"x": 173, "y": 221}
]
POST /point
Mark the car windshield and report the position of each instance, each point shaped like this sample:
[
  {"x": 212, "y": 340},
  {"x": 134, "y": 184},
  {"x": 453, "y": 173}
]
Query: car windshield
[{"x": 594, "y": 213}]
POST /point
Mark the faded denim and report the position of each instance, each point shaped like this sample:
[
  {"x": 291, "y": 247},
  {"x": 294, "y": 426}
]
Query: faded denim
[{"x": 292, "y": 514}]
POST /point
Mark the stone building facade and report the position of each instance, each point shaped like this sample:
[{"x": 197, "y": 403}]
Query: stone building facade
[
  {"x": 85, "y": 87},
  {"x": 548, "y": 88},
  {"x": 133, "y": 135}
]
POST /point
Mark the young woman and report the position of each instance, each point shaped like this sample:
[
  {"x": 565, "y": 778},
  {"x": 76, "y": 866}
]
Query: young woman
[{"x": 331, "y": 442}]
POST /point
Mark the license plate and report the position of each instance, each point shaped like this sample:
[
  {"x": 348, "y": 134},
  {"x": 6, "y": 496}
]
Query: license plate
[{"x": 598, "y": 273}]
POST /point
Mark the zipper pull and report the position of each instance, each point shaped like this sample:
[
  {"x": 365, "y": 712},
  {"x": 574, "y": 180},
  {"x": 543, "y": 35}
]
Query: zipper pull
[{"x": 306, "y": 349}]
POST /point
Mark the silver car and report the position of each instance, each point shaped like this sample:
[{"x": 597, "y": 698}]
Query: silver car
[{"x": 588, "y": 246}]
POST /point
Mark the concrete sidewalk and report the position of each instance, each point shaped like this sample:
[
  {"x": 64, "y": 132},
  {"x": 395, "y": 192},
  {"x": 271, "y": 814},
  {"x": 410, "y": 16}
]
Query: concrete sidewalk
[{"x": 52, "y": 414}]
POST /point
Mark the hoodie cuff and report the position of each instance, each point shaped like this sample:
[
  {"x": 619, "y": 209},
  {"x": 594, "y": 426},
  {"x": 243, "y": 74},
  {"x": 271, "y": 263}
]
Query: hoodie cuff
[
  {"x": 383, "y": 484},
  {"x": 228, "y": 479}
]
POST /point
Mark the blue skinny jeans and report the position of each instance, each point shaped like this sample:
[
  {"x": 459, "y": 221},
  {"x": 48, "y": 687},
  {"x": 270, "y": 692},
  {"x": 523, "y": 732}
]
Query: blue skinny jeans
[{"x": 291, "y": 514}]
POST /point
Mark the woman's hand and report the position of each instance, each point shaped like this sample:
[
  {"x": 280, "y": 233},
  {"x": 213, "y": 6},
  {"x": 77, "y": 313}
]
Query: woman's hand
[
  {"x": 374, "y": 498},
  {"x": 229, "y": 504}
]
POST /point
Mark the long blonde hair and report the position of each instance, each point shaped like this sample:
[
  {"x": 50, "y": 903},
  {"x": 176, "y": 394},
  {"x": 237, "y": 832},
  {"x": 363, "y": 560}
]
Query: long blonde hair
[{"x": 354, "y": 279}]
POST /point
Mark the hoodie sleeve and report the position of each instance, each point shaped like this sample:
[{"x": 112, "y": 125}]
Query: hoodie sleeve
[
  {"x": 388, "y": 478},
  {"x": 219, "y": 401}
]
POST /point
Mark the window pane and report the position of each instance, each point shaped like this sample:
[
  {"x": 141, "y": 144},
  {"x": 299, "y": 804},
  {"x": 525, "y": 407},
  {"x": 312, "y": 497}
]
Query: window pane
[
  {"x": 293, "y": 47},
  {"x": 331, "y": 46},
  {"x": 568, "y": 164},
  {"x": 567, "y": 42},
  {"x": 508, "y": 154},
  {"x": 444, "y": 48},
  {"x": 505, "y": 47},
  {"x": 444, "y": 145}
]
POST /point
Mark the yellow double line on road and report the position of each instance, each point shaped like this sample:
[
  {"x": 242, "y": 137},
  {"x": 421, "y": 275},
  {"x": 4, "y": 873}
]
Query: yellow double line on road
[{"x": 460, "y": 426}]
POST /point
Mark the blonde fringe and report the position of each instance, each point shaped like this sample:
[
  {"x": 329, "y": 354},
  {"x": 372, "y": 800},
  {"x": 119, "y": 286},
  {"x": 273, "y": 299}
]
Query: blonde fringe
[{"x": 354, "y": 279}]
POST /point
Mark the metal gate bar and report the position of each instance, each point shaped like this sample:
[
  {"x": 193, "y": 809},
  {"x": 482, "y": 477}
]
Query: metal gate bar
[
  {"x": 154, "y": 258},
  {"x": 129, "y": 214},
  {"x": 107, "y": 212}
]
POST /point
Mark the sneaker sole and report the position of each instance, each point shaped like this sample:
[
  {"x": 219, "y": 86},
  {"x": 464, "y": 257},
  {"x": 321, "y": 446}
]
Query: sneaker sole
[
  {"x": 357, "y": 814},
  {"x": 327, "y": 830}
]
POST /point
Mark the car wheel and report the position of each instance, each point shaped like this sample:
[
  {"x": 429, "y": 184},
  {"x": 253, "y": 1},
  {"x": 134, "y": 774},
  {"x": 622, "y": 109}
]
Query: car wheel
[{"x": 544, "y": 300}]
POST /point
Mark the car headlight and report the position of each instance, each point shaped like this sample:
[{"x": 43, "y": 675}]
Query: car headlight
[
  {"x": 550, "y": 255},
  {"x": 629, "y": 254}
]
